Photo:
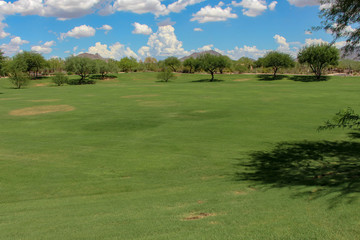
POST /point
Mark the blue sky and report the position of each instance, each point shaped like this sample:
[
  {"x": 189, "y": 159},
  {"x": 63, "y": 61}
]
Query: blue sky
[{"x": 158, "y": 28}]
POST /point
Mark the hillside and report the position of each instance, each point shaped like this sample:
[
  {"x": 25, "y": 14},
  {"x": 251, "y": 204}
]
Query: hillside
[{"x": 198, "y": 54}]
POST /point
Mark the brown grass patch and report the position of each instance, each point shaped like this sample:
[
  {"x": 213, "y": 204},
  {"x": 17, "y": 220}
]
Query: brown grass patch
[
  {"x": 140, "y": 96},
  {"x": 198, "y": 216},
  {"x": 31, "y": 111},
  {"x": 45, "y": 100},
  {"x": 242, "y": 80},
  {"x": 41, "y": 85},
  {"x": 200, "y": 111},
  {"x": 7, "y": 99}
]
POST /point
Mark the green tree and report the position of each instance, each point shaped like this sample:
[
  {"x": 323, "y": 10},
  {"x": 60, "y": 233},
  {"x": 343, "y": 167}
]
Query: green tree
[
  {"x": 244, "y": 64},
  {"x": 338, "y": 16},
  {"x": 210, "y": 63},
  {"x": 166, "y": 74},
  {"x": 128, "y": 64},
  {"x": 105, "y": 68},
  {"x": 319, "y": 57},
  {"x": 346, "y": 118},
  {"x": 34, "y": 61},
  {"x": 276, "y": 60},
  {"x": 2, "y": 63},
  {"x": 60, "y": 79},
  {"x": 225, "y": 62},
  {"x": 56, "y": 65},
  {"x": 172, "y": 62},
  {"x": 80, "y": 66},
  {"x": 192, "y": 63},
  {"x": 151, "y": 64}
]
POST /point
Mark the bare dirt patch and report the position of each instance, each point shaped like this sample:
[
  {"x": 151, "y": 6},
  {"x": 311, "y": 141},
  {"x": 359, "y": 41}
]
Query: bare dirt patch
[
  {"x": 8, "y": 99},
  {"x": 200, "y": 111},
  {"x": 198, "y": 216},
  {"x": 41, "y": 85},
  {"x": 242, "y": 80},
  {"x": 140, "y": 96},
  {"x": 31, "y": 111}
]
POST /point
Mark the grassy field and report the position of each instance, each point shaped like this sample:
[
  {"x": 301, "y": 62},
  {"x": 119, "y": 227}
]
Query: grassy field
[{"x": 134, "y": 158}]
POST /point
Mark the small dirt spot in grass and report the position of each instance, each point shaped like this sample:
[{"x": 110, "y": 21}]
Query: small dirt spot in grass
[
  {"x": 200, "y": 202},
  {"x": 41, "y": 85},
  {"x": 45, "y": 100},
  {"x": 214, "y": 223},
  {"x": 242, "y": 80},
  {"x": 240, "y": 193},
  {"x": 31, "y": 111},
  {"x": 200, "y": 111},
  {"x": 8, "y": 99},
  {"x": 198, "y": 216},
  {"x": 140, "y": 96}
]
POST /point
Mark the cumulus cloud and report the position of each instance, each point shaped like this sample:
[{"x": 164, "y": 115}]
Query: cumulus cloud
[
  {"x": 198, "y": 30},
  {"x": 308, "y": 33},
  {"x": 79, "y": 32},
  {"x": 115, "y": 51},
  {"x": 273, "y": 5},
  {"x": 43, "y": 49},
  {"x": 163, "y": 43},
  {"x": 141, "y": 29},
  {"x": 141, "y": 6},
  {"x": 310, "y": 41},
  {"x": 205, "y": 48},
  {"x": 252, "y": 8},
  {"x": 182, "y": 4},
  {"x": 245, "y": 51},
  {"x": 283, "y": 44},
  {"x": 213, "y": 14},
  {"x": 106, "y": 28},
  {"x": 13, "y": 46}
]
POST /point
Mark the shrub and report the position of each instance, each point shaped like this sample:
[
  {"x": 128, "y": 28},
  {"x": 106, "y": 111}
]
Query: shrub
[
  {"x": 60, "y": 79},
  {"x": 166, "y": 75},
  {"x": 19, "y": 79}
]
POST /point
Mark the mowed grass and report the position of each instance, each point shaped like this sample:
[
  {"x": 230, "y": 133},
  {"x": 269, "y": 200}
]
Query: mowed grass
[{"x": 134, "y": 158}]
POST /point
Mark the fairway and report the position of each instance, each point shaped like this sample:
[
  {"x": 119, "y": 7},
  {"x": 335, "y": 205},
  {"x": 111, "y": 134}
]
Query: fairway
[{"x": 135, "y": 158}]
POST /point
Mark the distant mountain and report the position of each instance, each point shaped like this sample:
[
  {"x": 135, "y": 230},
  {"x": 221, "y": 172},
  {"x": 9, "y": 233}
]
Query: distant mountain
[
  {"x": 352, "y": 56},
  {"x": 92, "y": 56},
  {"x": 198, "y": 54}
]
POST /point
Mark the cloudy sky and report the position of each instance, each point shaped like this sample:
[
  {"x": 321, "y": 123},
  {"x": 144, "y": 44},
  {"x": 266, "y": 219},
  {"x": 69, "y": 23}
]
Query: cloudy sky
[{"x": 158, "y": 28}]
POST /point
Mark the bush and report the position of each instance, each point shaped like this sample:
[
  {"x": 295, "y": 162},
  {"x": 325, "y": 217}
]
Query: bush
[
  {"x": 166, "y": 75},
  {"x": 60, "y": 79},
  {"x": 19, "y": 79},
  {"x": 80, "y": 82}
]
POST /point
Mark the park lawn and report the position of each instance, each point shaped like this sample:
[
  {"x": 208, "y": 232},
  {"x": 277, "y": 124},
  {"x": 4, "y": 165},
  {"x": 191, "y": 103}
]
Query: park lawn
[{"x": 135, "y": 158}]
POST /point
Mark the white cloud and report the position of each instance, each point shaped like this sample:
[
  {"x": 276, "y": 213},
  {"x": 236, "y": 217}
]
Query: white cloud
[
  {"x": 3, "y": 34},
  {"x": 198, "y": 30},
  {"x": 141, "y": 6},
  {"x": 253, "y": 8},
  {"x": 163, "y": 43},
  {"x": 303, "y": 3},
  {"x": 283, "y": 45},
  {"x": 79, "y": 32},
  {"x": 273, "y": 5},
  {"x": 106, "y": 28},
  {"x": 308, "y": 33},
  {"x": 213, "y": 14},
  {"x": 115, "y": 51},
  {"x": 13, "y": 46},
  {"x": 180, "y": 5},
  {"x": 340, "y": 44},
  {"x": 246, "y": 51},
  {"x": 141, "y": 29},
  {"x": 43, "y": 49},
  {"x": 205, "y": 48},
  {"x": 310, "y": 41}
]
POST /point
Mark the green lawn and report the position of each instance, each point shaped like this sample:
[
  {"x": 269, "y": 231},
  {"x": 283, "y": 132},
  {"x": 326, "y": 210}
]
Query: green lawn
[{"x": 134, "y": 158}]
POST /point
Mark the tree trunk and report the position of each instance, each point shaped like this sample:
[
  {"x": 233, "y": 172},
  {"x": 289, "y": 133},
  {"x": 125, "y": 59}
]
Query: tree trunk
[
  {"x": 275, "y": 70},
  {"x": 212, "y": 76}
]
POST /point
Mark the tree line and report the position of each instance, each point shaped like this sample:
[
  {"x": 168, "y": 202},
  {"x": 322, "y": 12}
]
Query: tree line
[{"x": 315, "y": 58}]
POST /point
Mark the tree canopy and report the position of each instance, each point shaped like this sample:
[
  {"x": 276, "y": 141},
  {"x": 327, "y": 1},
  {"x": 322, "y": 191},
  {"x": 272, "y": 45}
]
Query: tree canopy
[
  {"x": 339, "y": 18},
  {"x": 319, "y": 57},
  {"x": 276, "y": 60},
  {"x": 210, "y": 63},
  {"x": 80, "y": 66},
  {"x": 172, "y": 62}
]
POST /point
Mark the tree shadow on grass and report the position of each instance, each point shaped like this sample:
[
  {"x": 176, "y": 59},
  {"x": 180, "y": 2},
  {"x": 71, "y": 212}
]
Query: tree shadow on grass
[
  {"x": 332, "y": 168},
  {"x": 302, "y": 78},
  {"x": 268, "y": 77},
  {"x": 355, "y": 134},
  {"x": 99, "y": 77},
  {"x": 207, "y": 80}
]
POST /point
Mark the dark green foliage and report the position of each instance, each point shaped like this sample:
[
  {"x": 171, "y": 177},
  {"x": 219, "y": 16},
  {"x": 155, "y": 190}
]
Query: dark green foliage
[
  {"x": 319, "y": 57},
  {"x": 80, "y": 66},
  {"x": 128, "y": 64},
  {"x": 172, "y": 62},
  {"x": 193, "y": 64},
  {"x": 34, "y": 62},
  {"x": 105, "y": 68},
  {"x": 244, "y": 64},
  {"x": 60, "y": 79},
  {"x": 210, "y": 63},
  {"x": 19, "y": 79},
  {"x": 56, "y": 65},
  {"x": 165, "y": 75},
  {"x": 2, "y": 63},
  {"x": 338, "y": 17},
  {"x": 276, "y": 60},
  {"x": 346, "y": 118}
]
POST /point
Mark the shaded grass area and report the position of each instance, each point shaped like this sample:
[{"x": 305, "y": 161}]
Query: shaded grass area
[{"x": 138, "y": 159}]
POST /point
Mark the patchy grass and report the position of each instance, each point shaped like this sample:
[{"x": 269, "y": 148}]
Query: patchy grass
[{"x": 239, "y": 158}]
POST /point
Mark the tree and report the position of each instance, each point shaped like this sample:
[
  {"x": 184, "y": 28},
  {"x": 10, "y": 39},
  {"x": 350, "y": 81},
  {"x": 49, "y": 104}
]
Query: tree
[
  {"x": 173, "y": 63},
  {"x": 244, "y": 64},
  {"x": 339, "y": 16},
  {"x": 105, "y": 68},
  {"x": 60, "y": 79},
  {"x": 225, "y": 62},
  {"x": 210, "y": 63},
  {"x": 346, "y": 118},
  {"x": 19, "y": 79},
  {"x": 128, "y": 64},
  {"x": 80, "y": 66},
  {"x": 192, "y": 63},
  {"x": 319, "y": 57},
  {"x": 276, "y": 60},
  {"x": 151, "y": 64},
  {"x": 56, "y": 65},
  {"x": 166, "y": 74},
  {"x": 2, "y": 63},
  {"x": 34, "y": 61}
]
